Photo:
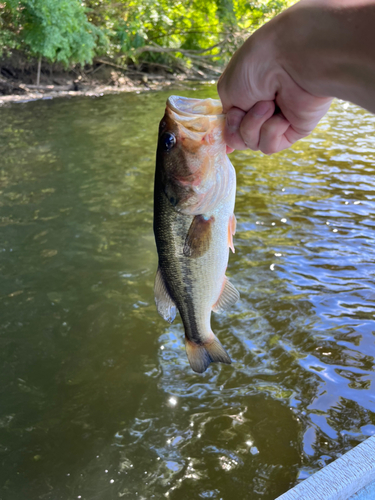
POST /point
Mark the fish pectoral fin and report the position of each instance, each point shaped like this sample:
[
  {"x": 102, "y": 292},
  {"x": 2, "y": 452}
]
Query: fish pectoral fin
[
  {"x": 231, "y": 231},
  {"x": 228, "y": 297},
  {"x": 200, "y": 356},
  {"x": 199, "y": 237},
  {"x": 164, "y": 303}
]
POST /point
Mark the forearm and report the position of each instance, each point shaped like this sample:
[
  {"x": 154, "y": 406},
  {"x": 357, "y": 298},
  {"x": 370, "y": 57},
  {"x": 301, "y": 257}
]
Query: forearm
[
  {"x": 294, "y": 65},
  {"x": 328, "y": 47}
]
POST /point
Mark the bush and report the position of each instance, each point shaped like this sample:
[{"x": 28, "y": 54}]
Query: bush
[
  {"x": 55, "y": 29},
  {"x": 74, "y": 31}
]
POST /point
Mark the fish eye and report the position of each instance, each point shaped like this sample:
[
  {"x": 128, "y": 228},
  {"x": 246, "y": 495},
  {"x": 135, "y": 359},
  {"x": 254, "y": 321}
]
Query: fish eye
[{"x": 168, "y": 140}]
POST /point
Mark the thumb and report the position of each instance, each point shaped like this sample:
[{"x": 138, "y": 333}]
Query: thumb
[{"x": 232, "y": 86}]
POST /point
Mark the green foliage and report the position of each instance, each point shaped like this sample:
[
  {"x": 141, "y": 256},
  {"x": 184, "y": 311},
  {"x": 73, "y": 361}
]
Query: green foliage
[
  {"x": 72, "y": 31},
  {"x": 129, "y": 25},
  {"x": 7, "y": 34},
  {"x": 55, "y": 29}
]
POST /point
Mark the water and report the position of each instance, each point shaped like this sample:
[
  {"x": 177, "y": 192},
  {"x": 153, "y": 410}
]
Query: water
[{"x": 97, "y": 399}]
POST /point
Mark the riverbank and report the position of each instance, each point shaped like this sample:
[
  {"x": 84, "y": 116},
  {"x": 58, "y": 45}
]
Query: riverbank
[
  {"x": 93, "y": 90},
  {"x": 103, "y": 78}
]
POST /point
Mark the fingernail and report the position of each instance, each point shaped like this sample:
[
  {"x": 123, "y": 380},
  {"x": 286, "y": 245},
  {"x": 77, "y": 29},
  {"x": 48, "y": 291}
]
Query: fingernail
[
  {"x": 232, "y": 126},
  {"x": 260, "y": 108},
  {"x": 234, "y": 118}
]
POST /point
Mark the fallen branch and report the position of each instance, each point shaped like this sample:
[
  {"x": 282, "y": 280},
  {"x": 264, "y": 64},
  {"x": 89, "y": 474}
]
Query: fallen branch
[
  {"x": 169, "y": 50},
  {"x": 108, "y": 63},
  {"x": 209, "y": 67},
  {"x": 7, "y": 87},
  {"x": 123, "y": 68},
  {"x": 94, "y": 70},
  {"x": 199, "y": 64},
  {"x": 50, "y": 88},
  {"x": 197, "y": 59},
  {"x": 154, "y": 47},
  {"x": 158, "y": 65}
]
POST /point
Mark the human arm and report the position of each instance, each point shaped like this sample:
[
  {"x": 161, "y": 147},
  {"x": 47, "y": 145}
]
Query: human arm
[{"x": 299, "y": 61}]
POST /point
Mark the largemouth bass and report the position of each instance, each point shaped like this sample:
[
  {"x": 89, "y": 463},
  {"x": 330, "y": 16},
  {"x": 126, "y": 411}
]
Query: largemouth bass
[{"x": 194, "y": 223}]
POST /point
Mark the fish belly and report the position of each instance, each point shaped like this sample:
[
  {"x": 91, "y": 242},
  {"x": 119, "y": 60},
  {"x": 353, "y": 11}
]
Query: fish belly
[{"x": 195, "y": 284}]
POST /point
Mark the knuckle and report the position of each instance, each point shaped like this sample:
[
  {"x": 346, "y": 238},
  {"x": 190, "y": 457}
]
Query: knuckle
[
  {"x": 234, "y": 141},
  {"x": 251, "y": 143},
  {"x": 250, "y": 137},
  {"x": 269, "y": 150},
  {"x": 268, "y": 128},
  {"x": 269, "y": 145}
]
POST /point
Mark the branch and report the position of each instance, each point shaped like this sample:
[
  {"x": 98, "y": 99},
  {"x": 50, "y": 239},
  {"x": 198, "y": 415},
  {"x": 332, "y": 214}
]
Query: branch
[
  {"x": 157, "y": 65},
  {"x": 197, "y": 59},
  {"x": 156, "y": 48},
  {"x": 123, "y": 68},
  {"x": 108, "y": 63}
]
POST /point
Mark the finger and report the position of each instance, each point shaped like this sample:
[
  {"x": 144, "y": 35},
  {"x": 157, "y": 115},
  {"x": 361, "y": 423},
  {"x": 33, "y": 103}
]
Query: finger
[
  {"x": 232, "y": 134},
  {"x": 229, "y": 150},
  {"x": 253, "y": 121},
  {"x": 233, "y": 85},
  {"x": 277, "y": 134}
]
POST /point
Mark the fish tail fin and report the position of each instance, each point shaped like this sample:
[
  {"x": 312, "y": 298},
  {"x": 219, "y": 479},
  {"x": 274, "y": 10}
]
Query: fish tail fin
[{"x": 200, "y": 356}]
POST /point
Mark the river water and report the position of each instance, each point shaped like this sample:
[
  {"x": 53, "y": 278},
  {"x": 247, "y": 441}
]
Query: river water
[{"x": 97, "y": 399}]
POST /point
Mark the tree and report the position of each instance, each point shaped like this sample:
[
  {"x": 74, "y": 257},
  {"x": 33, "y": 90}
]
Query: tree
[
  {"x": 132, "y": 25},
  {"x": 180, "y": 33},
  {"x": 57, "y": 30}
]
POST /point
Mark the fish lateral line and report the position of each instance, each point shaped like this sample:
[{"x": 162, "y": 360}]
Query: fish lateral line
[{"x": 194, "y": 224}]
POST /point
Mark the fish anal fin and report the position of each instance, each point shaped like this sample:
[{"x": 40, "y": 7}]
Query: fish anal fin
[
  {"x": 200, "y": 356},
  {"x": 228, "y": 297},
  {"x": 232, "y": 224},
  {"x": 164, "y": 303},
  {"x": 199, "y": 237}
]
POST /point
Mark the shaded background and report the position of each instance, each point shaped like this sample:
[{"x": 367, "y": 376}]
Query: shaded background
[{"x": 57, "y": 41}]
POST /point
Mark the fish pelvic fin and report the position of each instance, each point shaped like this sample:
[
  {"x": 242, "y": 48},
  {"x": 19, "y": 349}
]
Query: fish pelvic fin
[
  {"x": 164, "y": 303},
  {"x": 228, "y": 297},
  {"x": 200, "y": 356}
]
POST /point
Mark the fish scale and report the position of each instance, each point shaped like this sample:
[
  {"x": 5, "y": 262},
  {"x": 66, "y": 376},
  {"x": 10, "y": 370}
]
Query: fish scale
[{"x": 193, "y": 249}]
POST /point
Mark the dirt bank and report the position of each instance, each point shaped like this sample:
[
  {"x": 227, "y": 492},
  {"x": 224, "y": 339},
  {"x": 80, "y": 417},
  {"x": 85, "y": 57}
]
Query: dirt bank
[{"x": 17, "y": 82}]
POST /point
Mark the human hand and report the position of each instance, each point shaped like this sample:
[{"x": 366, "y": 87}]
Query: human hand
[{"x": 266, "y": 108}]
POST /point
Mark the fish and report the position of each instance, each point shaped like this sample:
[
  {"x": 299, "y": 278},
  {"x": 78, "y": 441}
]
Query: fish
[{"x": 194, "y": 223}]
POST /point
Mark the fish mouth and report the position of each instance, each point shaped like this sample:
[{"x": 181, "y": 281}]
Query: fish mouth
[
  {"x": 186, "y": 106},
  {"x": 195, "y": 117}
]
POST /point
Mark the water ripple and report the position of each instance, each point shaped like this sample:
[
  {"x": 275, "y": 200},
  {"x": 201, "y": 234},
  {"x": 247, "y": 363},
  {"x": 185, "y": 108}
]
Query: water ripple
[{"x": 98, "y": 398}]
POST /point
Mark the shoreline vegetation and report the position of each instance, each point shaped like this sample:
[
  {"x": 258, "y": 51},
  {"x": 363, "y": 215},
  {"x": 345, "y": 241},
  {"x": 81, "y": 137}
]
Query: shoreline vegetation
[
  {"x": 88, "y": 47},
  {"x": 107, "y": 80}
]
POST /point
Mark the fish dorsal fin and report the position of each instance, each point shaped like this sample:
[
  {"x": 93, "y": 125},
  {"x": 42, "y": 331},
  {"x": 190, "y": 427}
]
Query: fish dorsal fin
[
  {"x": 199, "y": 237},
  {"x": 164, "y": 303},
  {"x": 228, "y": 297}
]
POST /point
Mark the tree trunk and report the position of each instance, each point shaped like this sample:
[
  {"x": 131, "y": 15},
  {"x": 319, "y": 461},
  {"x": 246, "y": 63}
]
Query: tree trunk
[{"x": 38, "y": 72}]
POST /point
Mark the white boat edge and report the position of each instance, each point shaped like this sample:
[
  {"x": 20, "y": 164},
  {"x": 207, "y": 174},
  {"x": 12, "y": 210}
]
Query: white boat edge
[{"x": 341, "y": 479}]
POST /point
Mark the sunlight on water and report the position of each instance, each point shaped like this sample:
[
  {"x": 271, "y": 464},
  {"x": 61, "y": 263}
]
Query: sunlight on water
[{"x": 97, "y": 396}]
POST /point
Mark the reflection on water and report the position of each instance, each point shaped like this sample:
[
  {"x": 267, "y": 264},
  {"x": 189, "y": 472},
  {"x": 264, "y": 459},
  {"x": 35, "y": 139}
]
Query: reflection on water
[{"x": 97, "y": 398}]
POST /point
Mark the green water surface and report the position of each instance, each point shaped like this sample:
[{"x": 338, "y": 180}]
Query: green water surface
[{"x": 97, "y": 399}]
